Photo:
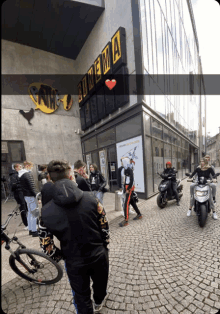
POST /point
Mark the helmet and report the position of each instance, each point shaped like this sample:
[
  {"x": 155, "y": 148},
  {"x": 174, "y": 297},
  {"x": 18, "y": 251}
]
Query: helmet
[{"x": 169, "y": 163}]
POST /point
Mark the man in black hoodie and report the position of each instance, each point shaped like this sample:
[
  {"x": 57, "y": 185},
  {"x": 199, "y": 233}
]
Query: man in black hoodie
[
  {"x": 79, "y": 222},
  {"x": 82, "y": 178},
  {"x": 18, "y": 194}
]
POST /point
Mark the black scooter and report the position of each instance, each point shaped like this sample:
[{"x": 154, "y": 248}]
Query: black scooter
[{"x": 166, "y": 193}]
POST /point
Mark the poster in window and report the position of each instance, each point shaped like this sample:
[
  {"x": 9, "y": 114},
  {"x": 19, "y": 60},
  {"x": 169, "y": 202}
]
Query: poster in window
[
  {"x": 88, "y": 162},
  {"x": 133, "y": 149}
]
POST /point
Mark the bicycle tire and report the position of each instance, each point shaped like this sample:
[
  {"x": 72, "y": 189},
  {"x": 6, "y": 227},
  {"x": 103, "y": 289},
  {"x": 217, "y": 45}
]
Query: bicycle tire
[{"x": 33, "y": 254}]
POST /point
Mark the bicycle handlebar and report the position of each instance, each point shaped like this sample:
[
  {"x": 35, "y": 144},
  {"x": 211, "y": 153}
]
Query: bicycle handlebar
[{"x": 3, "y": 227}]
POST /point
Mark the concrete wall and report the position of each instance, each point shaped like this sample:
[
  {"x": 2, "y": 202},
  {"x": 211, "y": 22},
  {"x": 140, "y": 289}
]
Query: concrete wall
[
  {"x": 116, "y": 14},
  {"x": 53, "y": 135}
]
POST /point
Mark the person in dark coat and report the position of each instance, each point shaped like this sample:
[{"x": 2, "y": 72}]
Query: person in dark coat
[
  {"x": 81, "y": 177},
  {"x": 79, "y": 222},
  {"x": 18, "y": 194},
  {"x": 171, "y": 172},
  {"x": 126, "y": 183},
  {"x": 30, "y": 192},
  {"x": 97, "y": 182}
]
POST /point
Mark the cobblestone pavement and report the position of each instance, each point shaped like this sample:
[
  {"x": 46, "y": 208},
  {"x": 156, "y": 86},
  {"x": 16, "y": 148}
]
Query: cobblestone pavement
[{"x": 164, "y": 263}]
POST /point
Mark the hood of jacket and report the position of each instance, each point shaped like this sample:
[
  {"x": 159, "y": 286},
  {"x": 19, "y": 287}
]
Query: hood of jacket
[
  {"x": 21, "y": 172},
  {"x": 126, "y": 162},
  {"x": 66, "y": 192}
]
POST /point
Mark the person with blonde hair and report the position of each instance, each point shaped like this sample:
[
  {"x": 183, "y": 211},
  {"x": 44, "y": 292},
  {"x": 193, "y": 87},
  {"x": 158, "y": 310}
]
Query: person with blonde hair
[
  {"x": 30, "y": 192},
  {"x": 203, "y": 170}
]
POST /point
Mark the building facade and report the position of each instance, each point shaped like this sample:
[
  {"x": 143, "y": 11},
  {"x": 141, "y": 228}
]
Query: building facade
[
  {"x": 213, "y": 149},
  {"x": 119, "y": 38}
]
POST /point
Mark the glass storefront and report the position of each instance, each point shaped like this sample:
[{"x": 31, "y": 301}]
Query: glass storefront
[{"x": 162, "y": 145}]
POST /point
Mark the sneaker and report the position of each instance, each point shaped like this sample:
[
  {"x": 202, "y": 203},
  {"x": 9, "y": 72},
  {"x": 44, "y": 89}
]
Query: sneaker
[
  {"x": 214, "y": 216},
  {"x": 189, "y": 212},
  {"x": 214, "y": 201},
  {"x": 138, "y": 217},
  {"x": 178, "y": 203},
  {"x": 123, "y": 223},
  {"x": 34, "y": 234}
]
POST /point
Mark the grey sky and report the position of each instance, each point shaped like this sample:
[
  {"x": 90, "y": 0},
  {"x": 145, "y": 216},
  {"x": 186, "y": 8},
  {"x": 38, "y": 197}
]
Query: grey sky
[{"x": 207, "y": 13}]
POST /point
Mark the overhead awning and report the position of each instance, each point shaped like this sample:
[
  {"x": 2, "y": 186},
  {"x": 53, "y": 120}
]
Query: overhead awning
[{"x": 57, "y": 26}]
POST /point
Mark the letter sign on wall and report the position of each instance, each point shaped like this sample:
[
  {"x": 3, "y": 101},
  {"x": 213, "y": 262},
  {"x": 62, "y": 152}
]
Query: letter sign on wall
[
  {"x": 107, "y": 59},
  {"x": 119, "y": 49},
  {"x": 80, "y": 95},
  {"x": 98, "y": 69}
]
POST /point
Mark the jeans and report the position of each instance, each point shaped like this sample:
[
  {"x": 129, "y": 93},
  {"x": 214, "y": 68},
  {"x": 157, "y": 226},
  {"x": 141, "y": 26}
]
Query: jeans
[
  {"x": 31, "y": 205},
  {"x": 99, "y": 195},
  {"x": 79, "y": 278}
]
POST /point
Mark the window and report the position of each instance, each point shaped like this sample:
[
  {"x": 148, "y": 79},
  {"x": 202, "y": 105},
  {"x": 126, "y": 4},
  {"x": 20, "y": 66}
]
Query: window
[
  {"x": 148, "y": 162},
  {"x": 106, "y": 138},
  {"x": 16, "y": 150},
  {"x": 90, "y": 144},
  {"x": 128, "y": 129},
  {"x": 158, "y": 155},
  {"x": 157, "y": 130},
  {"x": 147, "y": 124}
]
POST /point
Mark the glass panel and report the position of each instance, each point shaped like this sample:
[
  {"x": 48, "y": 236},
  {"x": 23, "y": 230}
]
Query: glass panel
[
  {"x": 167, "y": 153},
  {"x": 148, "y": 163},
  {"x": 174, "y": 156},
  {"x": 95, "y": 159},
  {"x": 157, "y": 146},
  {"x": 16, "y": 151},
  {"x": 147, "y": 124},
  {"x": 167, "y": 135},
  {"x": 157, "y": 129},
  {"x": 179, "y": 164},
  {"x": 128, "y": 129},
  {"x": 90, "y": 144},
  {"x": 106, "y": 138}
]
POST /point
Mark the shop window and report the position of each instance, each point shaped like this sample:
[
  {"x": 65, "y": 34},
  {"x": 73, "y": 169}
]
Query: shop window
[
  {"x": 149, "y": 165},
  {"x": 95, "y": 158},
  {"x": 106, "y": 138},
  {"x": 167, "y": 135},
  {"x": 128, "y": 129},
  {"x": 158, "y": 161},
  {"x": 147, "y": 124},
  {"x": 157, "y": 130},
  {"x": 90, "y": 144},
  {"x": 16, "y": 150}
]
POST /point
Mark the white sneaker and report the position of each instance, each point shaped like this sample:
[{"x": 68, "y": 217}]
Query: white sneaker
[
  {"x": 189, "y": 212},
  {"x": 214, "y": 216}
]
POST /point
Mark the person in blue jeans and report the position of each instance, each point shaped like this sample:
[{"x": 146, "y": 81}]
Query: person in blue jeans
[{"x": 97, "y": 182}]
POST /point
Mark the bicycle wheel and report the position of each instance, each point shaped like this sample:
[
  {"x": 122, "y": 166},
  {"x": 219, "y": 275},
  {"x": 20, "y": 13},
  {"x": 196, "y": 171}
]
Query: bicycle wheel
[{"x": 44, "y": 270}]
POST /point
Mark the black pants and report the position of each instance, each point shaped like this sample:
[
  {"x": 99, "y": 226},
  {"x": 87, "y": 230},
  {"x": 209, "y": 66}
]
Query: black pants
[
  {"x": 79, "y": 278},
  {"x": 19, "y": 197},
  {"x": 174, "y": 188},
  {"x": 129, "y": 200}
]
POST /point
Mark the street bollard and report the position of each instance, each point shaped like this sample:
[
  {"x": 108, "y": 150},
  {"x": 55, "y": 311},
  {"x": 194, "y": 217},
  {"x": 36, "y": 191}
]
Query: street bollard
[{"x": 118, "y": 201}]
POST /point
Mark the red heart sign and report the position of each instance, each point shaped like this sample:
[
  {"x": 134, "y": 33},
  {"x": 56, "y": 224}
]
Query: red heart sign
[{"x": 110, "y": 84}]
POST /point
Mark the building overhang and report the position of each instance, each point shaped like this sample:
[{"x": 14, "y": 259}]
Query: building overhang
[{"x": 57, "y": 26}]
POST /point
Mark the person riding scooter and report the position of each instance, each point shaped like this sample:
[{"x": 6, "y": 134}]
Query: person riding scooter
[
  {"x": 204, "y": 170},
  {"x": 213, "y": 186},
  {"x": 171, "y": 172}
]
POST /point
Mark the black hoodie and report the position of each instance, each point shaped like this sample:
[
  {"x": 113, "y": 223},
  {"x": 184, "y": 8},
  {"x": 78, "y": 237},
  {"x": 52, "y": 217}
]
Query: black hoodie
[{"x": 77, "y": 220}]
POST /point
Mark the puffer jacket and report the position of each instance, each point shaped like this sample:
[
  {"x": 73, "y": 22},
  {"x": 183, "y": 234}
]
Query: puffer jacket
[
  {"x": 14, "y": 181},
  {"x": 27, "y": 183},
  {"x": 78, "y": 221}
]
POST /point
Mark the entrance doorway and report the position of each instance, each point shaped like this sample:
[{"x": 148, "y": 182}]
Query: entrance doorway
[{"x": 112, "y": 167}]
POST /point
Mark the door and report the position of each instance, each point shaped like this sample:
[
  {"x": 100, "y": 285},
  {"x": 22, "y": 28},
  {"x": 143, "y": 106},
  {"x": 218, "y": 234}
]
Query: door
[{"x": 112, "y": 168}]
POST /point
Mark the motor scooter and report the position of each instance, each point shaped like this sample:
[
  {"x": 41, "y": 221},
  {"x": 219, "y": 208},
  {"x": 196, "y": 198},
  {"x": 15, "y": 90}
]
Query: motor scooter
[
  {"x": 166, "y": 193},
  {"x": 202, "y": 197}
]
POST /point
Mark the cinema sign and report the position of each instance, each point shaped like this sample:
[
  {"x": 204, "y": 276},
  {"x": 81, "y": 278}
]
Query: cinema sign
[{"x": 95, "y": 99}]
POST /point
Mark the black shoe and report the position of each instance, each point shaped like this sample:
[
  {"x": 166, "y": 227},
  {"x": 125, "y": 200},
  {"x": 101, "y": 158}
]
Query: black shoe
[
  {"x": 178, "y": 203},
  {"x": 30, "y": 232},
  {"x": 34, "y": 234},
  {"x": 138, "y": 217},
  {"x": 123, "y": 223},
  {"x": 214, "y": 201}
]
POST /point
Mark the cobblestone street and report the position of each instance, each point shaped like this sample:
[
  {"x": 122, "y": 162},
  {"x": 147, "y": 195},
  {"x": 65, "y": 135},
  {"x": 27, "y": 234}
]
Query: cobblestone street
[{"x": 164, "y": 263}]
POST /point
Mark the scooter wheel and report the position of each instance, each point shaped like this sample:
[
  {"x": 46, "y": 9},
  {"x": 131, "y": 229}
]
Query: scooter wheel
[
  {"x": 202, "y": 216},
  {"x": 159, "y": 202}
]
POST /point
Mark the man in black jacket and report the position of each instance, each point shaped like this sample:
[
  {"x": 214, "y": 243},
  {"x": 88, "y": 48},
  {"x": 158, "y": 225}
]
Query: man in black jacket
[
  {"x": 171, "y": 172},
  {"x": 128, "y": 185},
  {"x": 82, "y": 178},
  {"x": 30, "y": 192},
  {"x": 18, "y": 194},
  {"x": 79, "y": 222}
]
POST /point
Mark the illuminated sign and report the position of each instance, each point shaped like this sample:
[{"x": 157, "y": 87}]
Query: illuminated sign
[
  {"x": 107, "y": 59},
  {"x": 47, "y": 99}
]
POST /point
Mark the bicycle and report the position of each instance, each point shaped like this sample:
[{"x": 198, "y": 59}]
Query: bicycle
[{"x": 29, "y": 264}]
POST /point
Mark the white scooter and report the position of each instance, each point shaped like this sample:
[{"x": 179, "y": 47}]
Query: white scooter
[{"x": 202, "y": 197}]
